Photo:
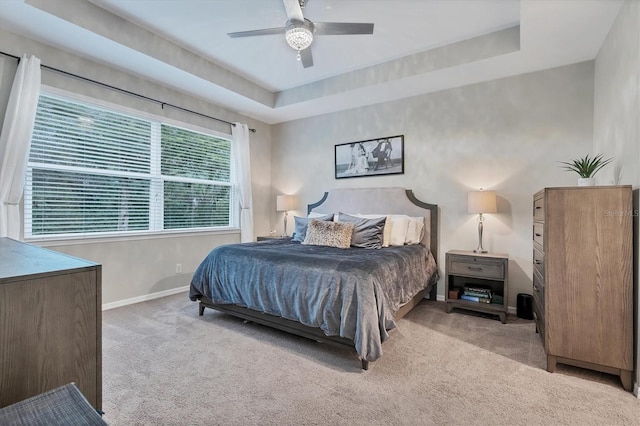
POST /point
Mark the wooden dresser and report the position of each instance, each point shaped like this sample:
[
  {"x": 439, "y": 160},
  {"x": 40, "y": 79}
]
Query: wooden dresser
[
  {"x": 582, "y": 277},
  {"x": 50, "y": 323}
]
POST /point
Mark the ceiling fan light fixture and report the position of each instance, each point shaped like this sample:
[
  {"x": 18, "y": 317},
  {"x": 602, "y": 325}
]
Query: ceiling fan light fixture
[{"x": 299, "y": 36}]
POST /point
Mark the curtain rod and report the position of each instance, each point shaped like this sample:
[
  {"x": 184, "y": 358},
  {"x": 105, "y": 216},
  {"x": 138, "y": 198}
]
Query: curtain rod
[{"x": 127, "y": 92}]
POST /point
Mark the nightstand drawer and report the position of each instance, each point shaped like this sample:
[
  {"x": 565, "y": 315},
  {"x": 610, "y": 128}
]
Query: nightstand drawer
[
  {"x": 270, "y": 237},
  {"x": 477, "y": 268}
]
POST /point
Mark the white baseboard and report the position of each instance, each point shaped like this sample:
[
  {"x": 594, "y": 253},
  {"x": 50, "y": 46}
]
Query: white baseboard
[{"x": 138, "y": 299}]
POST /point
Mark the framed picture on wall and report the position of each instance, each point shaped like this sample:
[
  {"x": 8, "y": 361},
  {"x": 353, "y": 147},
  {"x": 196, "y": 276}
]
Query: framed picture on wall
[{"x": 373, "y": 157}]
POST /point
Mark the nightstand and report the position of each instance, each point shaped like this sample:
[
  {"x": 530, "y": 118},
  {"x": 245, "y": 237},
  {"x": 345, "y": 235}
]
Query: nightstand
[
  {"x": 271, "y": 237},
  {"x": 479, "y": 278}
]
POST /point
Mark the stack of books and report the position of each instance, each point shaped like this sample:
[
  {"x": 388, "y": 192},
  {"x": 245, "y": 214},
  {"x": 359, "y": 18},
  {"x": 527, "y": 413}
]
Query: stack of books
[{"x": 477, "y": 294}]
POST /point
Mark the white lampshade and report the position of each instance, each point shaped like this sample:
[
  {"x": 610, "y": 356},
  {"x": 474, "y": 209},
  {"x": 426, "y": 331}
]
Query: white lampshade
[
  {"x": 482, "y": 202},
  {"x": 286, "y": 203}
]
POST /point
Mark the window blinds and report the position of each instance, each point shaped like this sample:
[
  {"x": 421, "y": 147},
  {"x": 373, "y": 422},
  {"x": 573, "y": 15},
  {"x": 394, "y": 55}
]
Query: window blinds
[{"x": 95, "y": 171}]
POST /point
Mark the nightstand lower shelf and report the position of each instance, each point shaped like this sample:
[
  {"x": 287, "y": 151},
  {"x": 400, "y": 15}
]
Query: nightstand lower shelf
[{"x": 487, "y": 308}]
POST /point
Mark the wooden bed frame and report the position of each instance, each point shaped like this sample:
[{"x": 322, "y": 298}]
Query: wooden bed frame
[{"x": 365, "y": 201}]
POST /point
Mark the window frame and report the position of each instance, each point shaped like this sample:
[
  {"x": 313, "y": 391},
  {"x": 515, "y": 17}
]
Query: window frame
[{"x": 157, "y": 120}]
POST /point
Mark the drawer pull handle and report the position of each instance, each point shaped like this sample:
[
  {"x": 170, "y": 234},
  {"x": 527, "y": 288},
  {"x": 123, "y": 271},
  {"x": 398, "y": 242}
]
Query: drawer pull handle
[
  {"x": 537, "y": 262},
  {"x": 535, "y": 288},
  {"x": 537, "y": 235},
  {"x": 474, "y": 268},
  {"x": 538, "y": 207}
]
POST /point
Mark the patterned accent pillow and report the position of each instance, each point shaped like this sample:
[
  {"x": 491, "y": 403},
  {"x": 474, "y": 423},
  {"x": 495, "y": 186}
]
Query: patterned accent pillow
[{"x": 332, "y": 234}]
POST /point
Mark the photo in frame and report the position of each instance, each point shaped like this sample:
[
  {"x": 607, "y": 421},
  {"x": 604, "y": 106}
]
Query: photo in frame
[{"x": 372, "y": 157}]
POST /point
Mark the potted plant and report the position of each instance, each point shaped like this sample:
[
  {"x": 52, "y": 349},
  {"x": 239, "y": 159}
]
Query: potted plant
[{"x": 586, "y": 168}]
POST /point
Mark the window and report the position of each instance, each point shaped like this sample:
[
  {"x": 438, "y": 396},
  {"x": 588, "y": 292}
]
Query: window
[{"x": 94, "y": 172}]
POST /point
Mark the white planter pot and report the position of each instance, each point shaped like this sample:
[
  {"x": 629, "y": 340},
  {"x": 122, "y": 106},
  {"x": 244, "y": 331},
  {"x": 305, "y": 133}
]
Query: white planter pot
[{"x": 586, "y": 182}]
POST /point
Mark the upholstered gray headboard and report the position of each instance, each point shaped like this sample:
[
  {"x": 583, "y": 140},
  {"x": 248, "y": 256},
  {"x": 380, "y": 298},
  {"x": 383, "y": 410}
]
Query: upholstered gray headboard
[{"x": 392, "y": 200}]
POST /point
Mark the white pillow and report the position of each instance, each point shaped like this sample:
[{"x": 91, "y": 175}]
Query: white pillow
[
  {"x": 386, "y": 234},
  {"x": 415, "y": 230},
  {"x": 399, "y": 226}
]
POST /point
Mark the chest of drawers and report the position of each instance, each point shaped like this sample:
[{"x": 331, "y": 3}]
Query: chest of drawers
[
  {"x": 50, "y": 323},
  {"x": 582, "y": 277}
]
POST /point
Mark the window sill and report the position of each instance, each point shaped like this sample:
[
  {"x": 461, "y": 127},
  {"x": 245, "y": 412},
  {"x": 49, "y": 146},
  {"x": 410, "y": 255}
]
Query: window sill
[{"x": 75, "y": 240}]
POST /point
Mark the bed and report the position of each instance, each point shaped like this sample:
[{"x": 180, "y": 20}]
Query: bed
[{"x": 342, "y": 296}]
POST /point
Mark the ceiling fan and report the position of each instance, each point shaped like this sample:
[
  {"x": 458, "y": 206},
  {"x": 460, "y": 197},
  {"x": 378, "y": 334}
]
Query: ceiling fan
[{"x": 299, "y": 31}]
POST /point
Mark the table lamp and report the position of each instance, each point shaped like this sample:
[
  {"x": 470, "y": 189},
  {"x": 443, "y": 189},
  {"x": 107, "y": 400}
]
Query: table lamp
[
  {"x": 285, "y": 203},
  {"x": 481, "y": 202}
]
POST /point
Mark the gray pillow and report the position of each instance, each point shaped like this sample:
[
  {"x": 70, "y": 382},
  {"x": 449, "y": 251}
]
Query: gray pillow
[
  {"x": 367, "y": 233},
  {"x": 300, "y": 231}
]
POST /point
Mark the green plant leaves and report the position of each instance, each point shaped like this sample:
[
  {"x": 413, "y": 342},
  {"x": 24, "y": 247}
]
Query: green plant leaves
[{"x": 586, "y": 167}]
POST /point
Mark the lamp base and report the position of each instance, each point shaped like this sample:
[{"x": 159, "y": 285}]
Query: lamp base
[
  {"x": 284, "y": 228},
  {"x": 480, "y": 249}
]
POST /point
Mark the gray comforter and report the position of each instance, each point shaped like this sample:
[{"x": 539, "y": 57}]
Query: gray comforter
[{"x": 352, "y": 293}]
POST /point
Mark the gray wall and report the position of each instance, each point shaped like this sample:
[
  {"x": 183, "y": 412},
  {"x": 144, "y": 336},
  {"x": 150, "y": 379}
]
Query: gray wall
[
  {"x": 616, "y": 127},
  {"x": 507, "y": 135},
  {"x": 136, "y": 268}
]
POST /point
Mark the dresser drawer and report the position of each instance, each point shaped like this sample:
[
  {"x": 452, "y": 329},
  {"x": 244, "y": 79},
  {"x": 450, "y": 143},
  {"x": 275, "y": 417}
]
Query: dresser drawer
[
  {"x": 476, "y": 267},
  {"x": 538, "y": 209},
  {"x": 538, "y": 233},
  {"x": 538, "y": 317},
  {"x": 538, "y": 290},
  {"x": 538, "y": 309},
  {"x": 538, "y": 284},
  {"x": 538, "y": 260}
]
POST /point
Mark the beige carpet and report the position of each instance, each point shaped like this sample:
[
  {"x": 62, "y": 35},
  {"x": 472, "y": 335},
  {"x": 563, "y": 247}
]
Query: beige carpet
[{"x": 165, "y": 365}]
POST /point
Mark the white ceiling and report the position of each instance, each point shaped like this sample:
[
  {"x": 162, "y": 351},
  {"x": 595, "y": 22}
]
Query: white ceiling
[{"x": 183, "y": 44}]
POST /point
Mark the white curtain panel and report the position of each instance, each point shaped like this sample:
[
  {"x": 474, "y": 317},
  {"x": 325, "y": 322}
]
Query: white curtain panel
[
  {"x": 15, "y": 141},
  {"x": 240, "y": 148}
]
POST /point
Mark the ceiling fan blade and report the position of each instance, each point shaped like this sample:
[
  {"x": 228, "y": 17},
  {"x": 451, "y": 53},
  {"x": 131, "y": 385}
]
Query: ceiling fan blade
[
  {"x": 342, "y": 28},
  {"x": 306, "y": 57},
  {"x": 265, "y": 31},
  {"x": 294, "y": 11}
]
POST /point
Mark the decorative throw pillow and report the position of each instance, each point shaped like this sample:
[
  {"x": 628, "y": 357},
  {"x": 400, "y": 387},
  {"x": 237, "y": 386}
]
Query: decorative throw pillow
[
  {"x": 367, "y": 233},
  {"x": 301, "y": 224},
  {"x": 332, "y": 234},
  {"x": 386, "y": 233}
]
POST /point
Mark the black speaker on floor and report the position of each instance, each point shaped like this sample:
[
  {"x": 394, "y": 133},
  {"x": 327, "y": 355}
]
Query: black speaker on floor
[{"x": 525, "y": 306}]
